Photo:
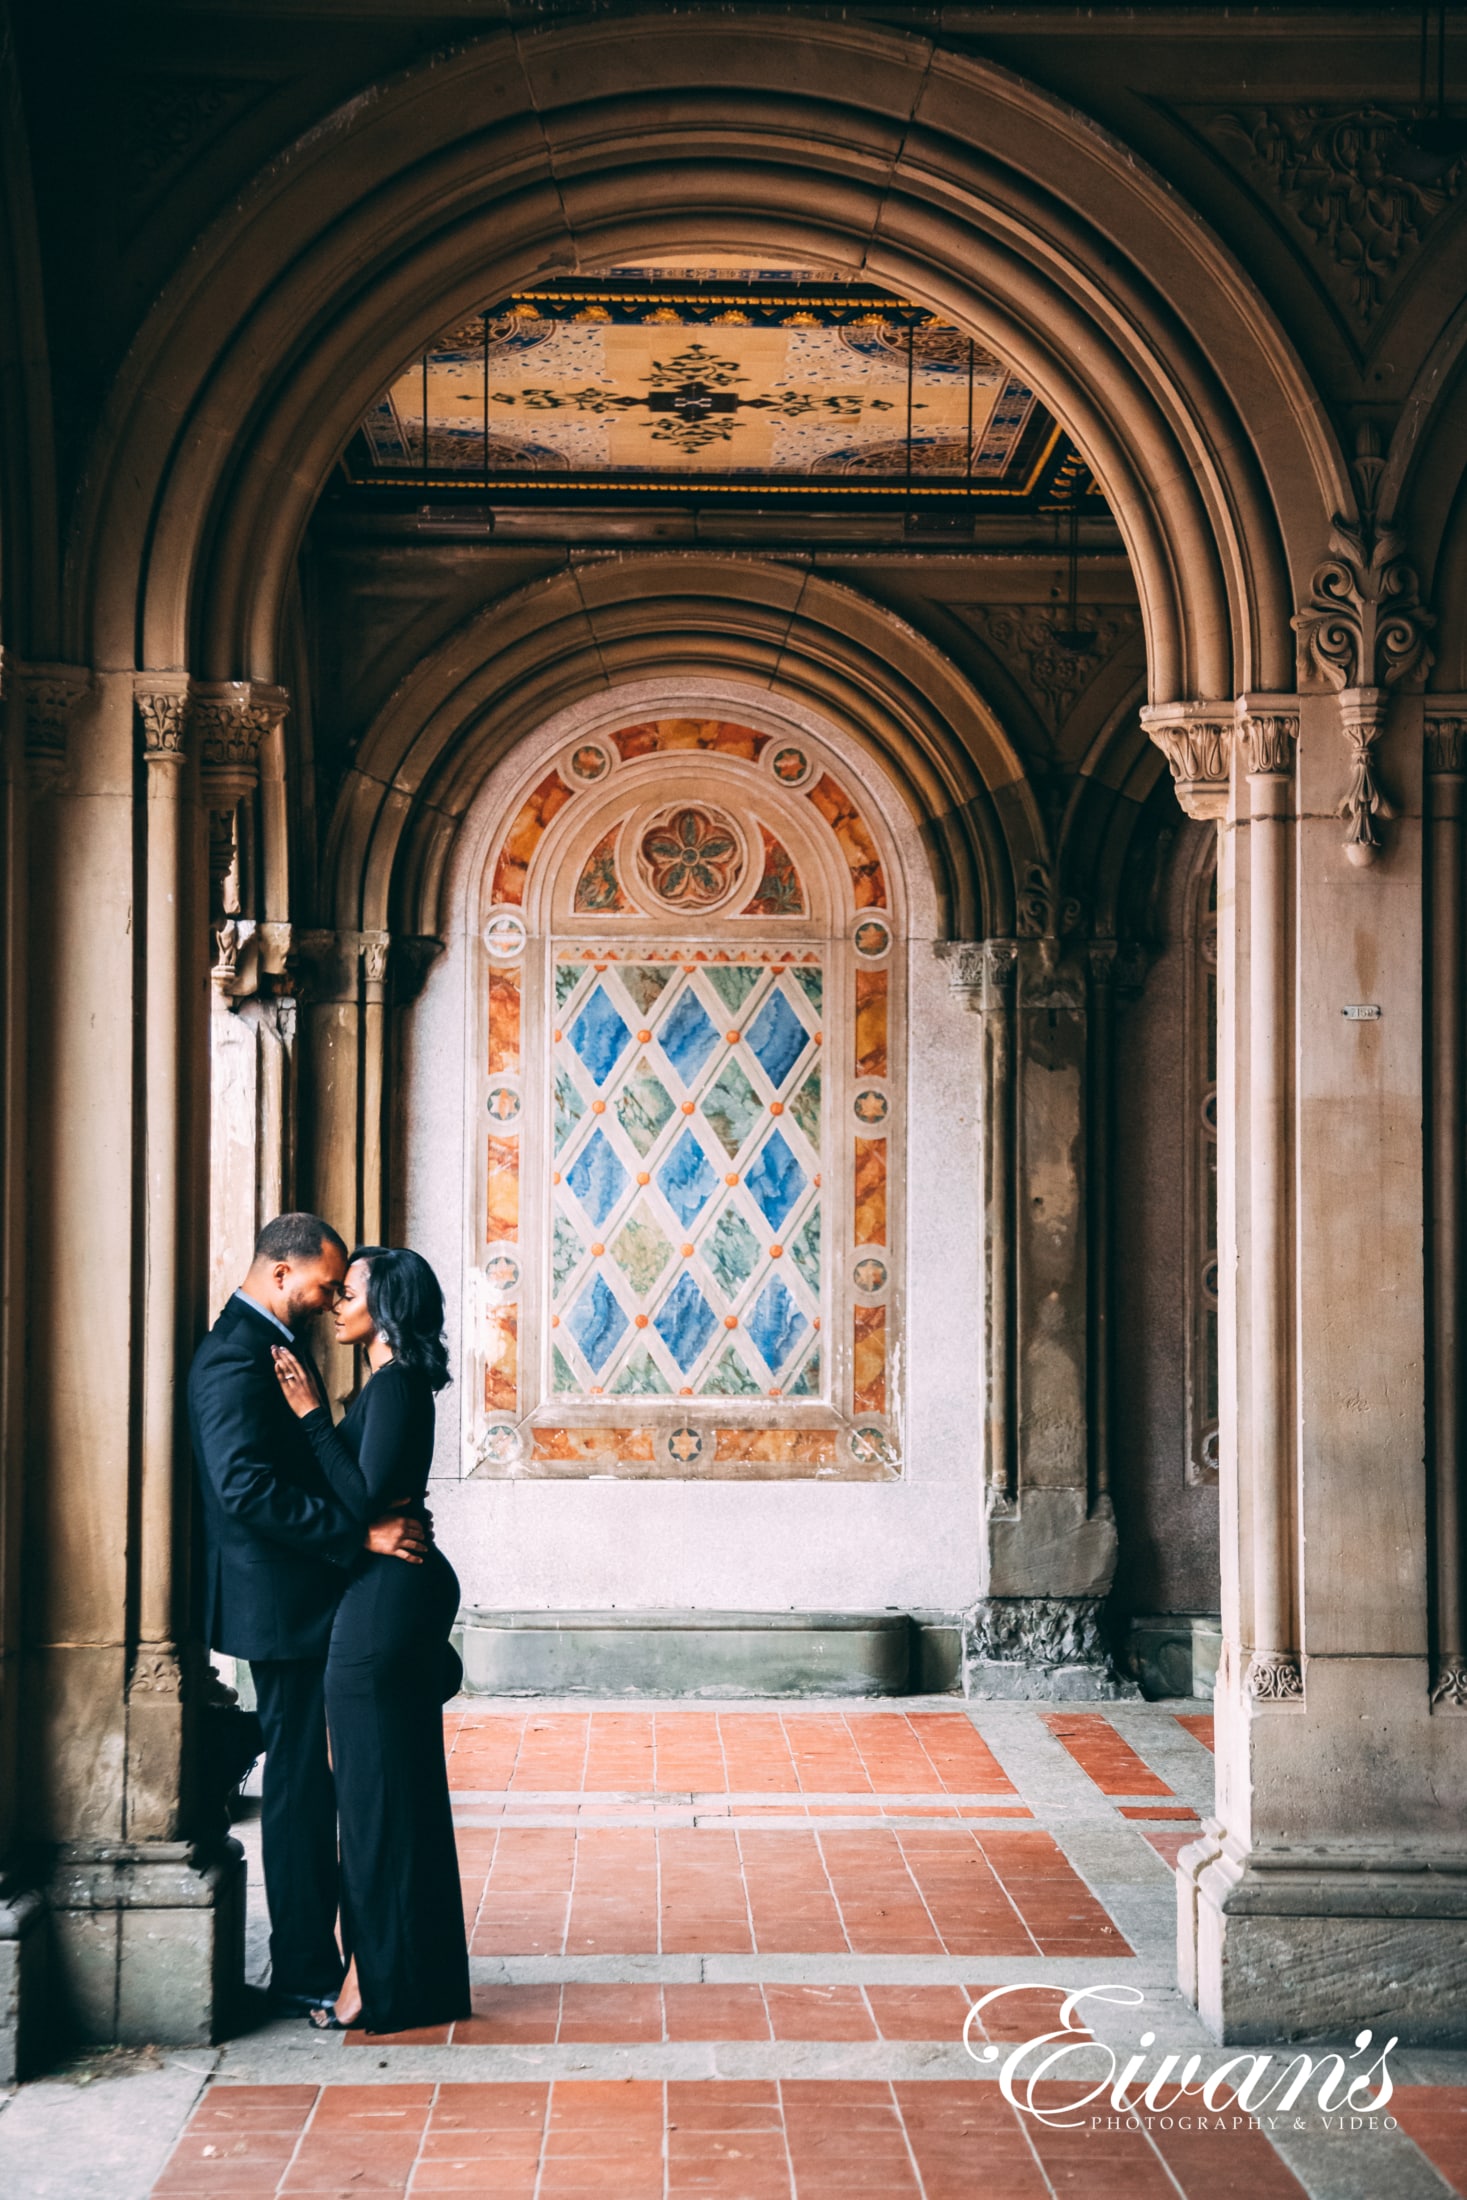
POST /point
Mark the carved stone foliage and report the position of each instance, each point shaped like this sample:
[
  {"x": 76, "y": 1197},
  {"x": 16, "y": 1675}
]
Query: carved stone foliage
[
  {"x": 1041, "y": 912},
  {"x": 1364, "y": 624},
  {"x": 985, "y": 970},
  {"x": 49, "y": 694},
  {"x": 1451, "y": 1687},
  {"x": 1273, "y": 1677},
  {"x": 1333, "y": 173},
  {"x": 1197, "y": 741},
  {"x": 1364, "y": 631},
  {"x": 162, "y": 705},
  {"x": 1026, "y": 639},
  {"x": 1446, "y": 740},
  {"x": 231, "y": 719},
  {"x": 1268, "y": 735}
]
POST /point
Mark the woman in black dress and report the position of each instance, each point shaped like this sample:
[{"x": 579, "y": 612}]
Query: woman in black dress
[{"x": 390, "y": 1666}]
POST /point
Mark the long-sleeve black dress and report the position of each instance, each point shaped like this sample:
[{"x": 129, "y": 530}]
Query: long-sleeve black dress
[{"x": 401, "y": 1907}]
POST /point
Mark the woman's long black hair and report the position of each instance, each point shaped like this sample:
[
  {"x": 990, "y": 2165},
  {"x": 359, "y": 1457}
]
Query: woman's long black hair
[{"x": 405, "y": 1301}]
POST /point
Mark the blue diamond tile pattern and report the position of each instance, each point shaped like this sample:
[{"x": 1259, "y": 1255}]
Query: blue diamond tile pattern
[
  {"x": 729, "y": 1126},
  {"x": 686, "y": 1321},
  {"x": 597, "y": 1323},
  {"x": 776, "y": 1180},
  {"x": 685, "y": 1180},
  {"x": 597, "y": 1178},
  {"x": 687, "y": 1036},
  {"x": 776, "y": 1323},
  {"x": 777, "y": 1038},
  {"x": 599, "y": 1034}
]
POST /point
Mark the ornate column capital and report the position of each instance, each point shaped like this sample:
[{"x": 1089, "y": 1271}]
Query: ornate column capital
[
  {"x": 376, "y": 948},
  {"x": 1268, "y": 728},
  {"x": 1446, "y": 736},
  {"x": 1273, "y": 1676},
  {"x": 162, "y": 700},
  {"x": 985, "y": 970},
  {"x": 232, "y": 718},
  {"x": 49, "y": 695},
  {"x": 1197, "y": 741}
]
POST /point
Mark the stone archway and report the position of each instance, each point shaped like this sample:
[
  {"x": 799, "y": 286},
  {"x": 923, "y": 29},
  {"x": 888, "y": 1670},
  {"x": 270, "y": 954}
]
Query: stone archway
[{"x": 959, "y": 184}]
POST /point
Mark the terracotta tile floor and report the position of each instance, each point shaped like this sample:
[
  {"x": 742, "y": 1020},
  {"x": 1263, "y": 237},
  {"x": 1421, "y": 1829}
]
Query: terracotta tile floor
[{"x": 730, "y": 1955}]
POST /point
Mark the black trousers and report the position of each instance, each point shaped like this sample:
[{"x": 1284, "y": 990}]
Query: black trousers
[
  {"x": 401, "y": 1906},
  {"x": 298, "y": 1826}
]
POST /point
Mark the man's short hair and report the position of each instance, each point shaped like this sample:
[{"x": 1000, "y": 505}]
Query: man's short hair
[{"x": 297, "y": 1237}]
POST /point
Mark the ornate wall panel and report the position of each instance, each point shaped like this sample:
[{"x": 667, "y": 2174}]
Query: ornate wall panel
[{"x": 686, "y": 1257}]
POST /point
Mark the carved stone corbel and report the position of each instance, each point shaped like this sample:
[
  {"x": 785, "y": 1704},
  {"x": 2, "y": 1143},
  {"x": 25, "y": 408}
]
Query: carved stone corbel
[
  {"x": 1364, "y": 631},
  {"x": 1197, "y": 741},
  {"x": 1362, "y": 721},
  {"x": 49, "y": 695}
]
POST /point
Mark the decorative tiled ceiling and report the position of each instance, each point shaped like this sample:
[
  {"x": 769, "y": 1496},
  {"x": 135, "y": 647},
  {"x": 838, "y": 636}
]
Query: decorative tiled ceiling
[{"x": 717, "y": 381}]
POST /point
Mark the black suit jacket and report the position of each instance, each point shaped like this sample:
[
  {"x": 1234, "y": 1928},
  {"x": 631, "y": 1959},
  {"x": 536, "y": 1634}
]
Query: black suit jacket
[{"x": 278, "y": 1543}]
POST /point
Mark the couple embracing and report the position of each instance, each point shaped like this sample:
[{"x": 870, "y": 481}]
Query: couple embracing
[{"x": 323, "y": 1573}]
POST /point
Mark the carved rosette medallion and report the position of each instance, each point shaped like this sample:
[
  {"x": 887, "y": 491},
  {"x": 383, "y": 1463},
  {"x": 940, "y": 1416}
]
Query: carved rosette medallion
[
  {"x": 691, "y": 857},
  {"x": 1273, "y": 1676},
  {"x": 1197, "y": 741}
]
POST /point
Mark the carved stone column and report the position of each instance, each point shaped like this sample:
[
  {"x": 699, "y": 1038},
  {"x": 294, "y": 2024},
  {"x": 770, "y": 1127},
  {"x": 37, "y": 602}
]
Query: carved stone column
[
  {"x": 1268, "y": 729},
  {"x": 1446, "y": 816},
  {"x": 1336, "y": 1852},
  {"x": 1050, "y": 1532},
  {"x": 145, "y": 1894},
  {"x": 375, "y": 950},
  {"x": 155, "y": 1712},
  {"x": 22, "y": 1940}
]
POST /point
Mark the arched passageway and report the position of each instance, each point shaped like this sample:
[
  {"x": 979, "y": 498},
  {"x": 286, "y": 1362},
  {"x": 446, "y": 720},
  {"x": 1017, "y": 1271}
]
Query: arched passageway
[{"x": 350, "y": 844}]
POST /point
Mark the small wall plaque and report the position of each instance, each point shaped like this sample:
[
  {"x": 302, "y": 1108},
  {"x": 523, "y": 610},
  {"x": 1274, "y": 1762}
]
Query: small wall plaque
[{"x": 1361, "y": 1012}]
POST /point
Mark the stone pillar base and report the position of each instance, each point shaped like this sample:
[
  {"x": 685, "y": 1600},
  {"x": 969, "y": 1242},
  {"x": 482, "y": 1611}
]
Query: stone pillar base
[
  {"x": 23, "y": 1999},
  {"x": 1049, "y": 1647},
  {"x": 1299, "y": 1942},
  {"x": 148, "y": 1941}
]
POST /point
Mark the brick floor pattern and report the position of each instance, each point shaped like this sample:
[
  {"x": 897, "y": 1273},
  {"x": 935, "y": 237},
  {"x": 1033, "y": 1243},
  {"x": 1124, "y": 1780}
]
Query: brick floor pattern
[{"x": 692, "y": 1833}]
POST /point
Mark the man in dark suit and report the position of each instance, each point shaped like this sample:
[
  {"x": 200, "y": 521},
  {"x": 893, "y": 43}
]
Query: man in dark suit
[{"x": 279, "y": 1549}]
